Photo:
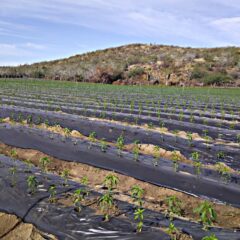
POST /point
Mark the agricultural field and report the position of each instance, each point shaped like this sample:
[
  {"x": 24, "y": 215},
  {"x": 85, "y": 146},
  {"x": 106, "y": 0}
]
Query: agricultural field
[{"x": 96, "y": 161}]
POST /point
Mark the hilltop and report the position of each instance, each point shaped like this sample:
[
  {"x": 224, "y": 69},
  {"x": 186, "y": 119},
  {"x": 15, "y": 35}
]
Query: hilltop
[{"x": 141, "y": 64}]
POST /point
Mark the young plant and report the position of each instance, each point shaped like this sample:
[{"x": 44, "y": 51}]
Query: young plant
[
  {"x": 106, "y": 203},
  {"x": 175, "y": 158},
  {"x": 67, "y": 132},
  {"x": 84, "y": 180},
  {"x": 173, "y": 231},
  {"x": 32, "y": 184},
  {"x": 103, "y": 145},
  {"x": 221, "y": 155},
  {"x": 29, "y": 165},
  {"x": 156, "y": 155},
  {"x": 206, "y": 213},
  {"x": 13, "y": 171},
  {"x": 110, "y": 181},
  {"x": 120, "y": 144},
  {"x": 65, "y": 175},
  {"x": 44, "y": 162},
  {"x": 211, "y": 237},
  {"x": 138, "y": 215},
  {"x": 174, "y": 206},
  {"x": 137, "y": 195},
  {"x": 53, "y": 192},
  {"x": 223, "y": 170},
  {"x": 92, "y": 138},
  {"x": 136, "y": 150},
  {"x": 190, "y": 139},
  {"x": 238, "y": 139},
  {"x": 197, "y": 164},
  {"x": 78, "y": 196},
  {"x": 13, "y": 153}
]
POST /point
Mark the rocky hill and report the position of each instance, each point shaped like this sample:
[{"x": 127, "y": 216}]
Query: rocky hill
[{"x": 141, "y": 64}]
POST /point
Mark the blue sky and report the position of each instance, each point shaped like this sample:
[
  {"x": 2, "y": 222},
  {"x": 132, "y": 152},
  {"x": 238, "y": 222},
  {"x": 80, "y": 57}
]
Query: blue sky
[{"x": 36, "y": 30}]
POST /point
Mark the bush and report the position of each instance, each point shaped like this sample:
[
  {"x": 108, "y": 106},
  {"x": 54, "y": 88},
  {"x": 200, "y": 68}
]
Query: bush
[
  {"x": 135, "y": 72},
  {"x": 38, "y": 74},
  {"x": 216, "y": 79},
  {"x": 197, "y": 73}
]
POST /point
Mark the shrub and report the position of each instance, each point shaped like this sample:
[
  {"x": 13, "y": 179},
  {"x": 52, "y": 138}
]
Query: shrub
[
  {"x": 135, "y": 72},
  {"x": 216, "y": 78},
  {"x": 197, "y": 73}
]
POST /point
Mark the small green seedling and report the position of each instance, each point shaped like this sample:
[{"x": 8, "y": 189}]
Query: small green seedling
[
  {"x": 13, "y": 171},
  {"x": 92, "y": 138},
  {"x": 190, "y": 139},
  {"x": 13, "y": 153},
  {"x": 206, "y": 213},
  {"x": 136, "y": 150},
  {"x": 32, "y": 184},
  {"x": 173, "y": 231},
  {"x": 65, "y": 175},
  {"x": 84, "y": 180},
  {"x": 106, "y": 203},
  {"x": 137, "y": 195},
  {"x": 197, "y": 164},
  {"x": 211, "y": 237},
  {"x": 67, "y": 132},
  {"x": 53, "y": 192},
  {"x": 138, "y": 215},
  {"x": 44, "y": 162},
  {"x": 103, "y": 145},
  {"x": 221, "y": 155},
  {"x": 175, "y": 158},
  {"x": 120, "y": 144},
  {"x": 174, "y": 206},
  {"x": 78, "y": 196},
  {"x": 111, "y": 181},
  {"x": 223, "y": 170}
]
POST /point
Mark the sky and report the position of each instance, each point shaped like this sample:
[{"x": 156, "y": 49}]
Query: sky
[{"x": 38, "y": 30}]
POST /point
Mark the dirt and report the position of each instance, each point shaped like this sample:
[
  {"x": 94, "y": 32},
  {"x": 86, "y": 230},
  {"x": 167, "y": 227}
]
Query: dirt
[
  {"x": 12, "y": 228},
  {"x": 227, "y": 216},
  {"x": 150, "y": 149}
]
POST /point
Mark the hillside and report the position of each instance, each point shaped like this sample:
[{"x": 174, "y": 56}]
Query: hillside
[{"x": 141, "y": 64}]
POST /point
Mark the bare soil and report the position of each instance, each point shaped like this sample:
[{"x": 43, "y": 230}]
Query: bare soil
[{"x": 12, "y": 228}]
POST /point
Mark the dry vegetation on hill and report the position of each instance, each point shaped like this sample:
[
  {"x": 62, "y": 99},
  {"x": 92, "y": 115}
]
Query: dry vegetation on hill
[{"x": 141, "y": 64}]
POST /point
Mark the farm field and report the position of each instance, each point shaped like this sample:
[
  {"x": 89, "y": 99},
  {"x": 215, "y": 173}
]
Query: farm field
[{"x": 95, "y": 161}]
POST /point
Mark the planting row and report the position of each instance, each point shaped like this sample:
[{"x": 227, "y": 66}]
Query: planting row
[
  {"x": 132, "y": 103},
  {"x": 217, "y": 120},
  {"x": 173, "y": 125},
  {"x": 165, "y": 173},
  {"x": 208, "y": 152}
]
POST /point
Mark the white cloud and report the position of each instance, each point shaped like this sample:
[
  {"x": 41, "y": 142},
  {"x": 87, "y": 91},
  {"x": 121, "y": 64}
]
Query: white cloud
[
  {"x": 229, "y": 26},
  {"x": 35, "y": 46},
  {"x": 19, "y": 50}
]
